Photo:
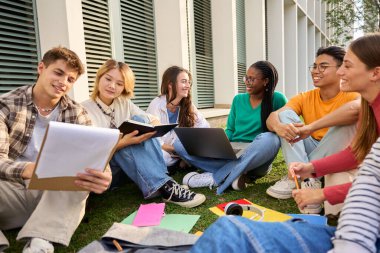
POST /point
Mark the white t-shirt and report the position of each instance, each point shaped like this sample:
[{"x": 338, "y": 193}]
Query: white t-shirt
[{"x": 34, "y": 145}]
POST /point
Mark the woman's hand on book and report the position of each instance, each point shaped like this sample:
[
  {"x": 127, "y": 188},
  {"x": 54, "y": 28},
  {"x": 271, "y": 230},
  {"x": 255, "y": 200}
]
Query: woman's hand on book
[
  {"x": 155, "y": 122},
  {"x": 132, "y": 139}
]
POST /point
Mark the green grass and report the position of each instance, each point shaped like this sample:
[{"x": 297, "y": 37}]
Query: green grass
[{"x": 103, "y": 210}]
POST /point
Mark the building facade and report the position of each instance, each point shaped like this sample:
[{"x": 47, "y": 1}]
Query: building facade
[{"x": 215, "y": 39}]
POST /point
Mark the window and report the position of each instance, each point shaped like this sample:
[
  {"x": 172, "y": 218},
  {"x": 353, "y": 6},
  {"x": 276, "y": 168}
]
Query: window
[
  {"x": 96, "y": 36},
  {"x": 240, "y": 37},
  {"x": 19, "y": 47},
  {"x": 140, "y": 48},
  {"x": 203, "y": 53}
]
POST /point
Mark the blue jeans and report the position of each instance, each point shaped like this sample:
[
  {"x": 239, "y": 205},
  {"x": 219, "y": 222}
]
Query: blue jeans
[
  {"x": 336, "y": 139},
  {"x": 256, "y": 159},
  {"x": 143, "y": 163},
  {"x": 238, "y": 234}
]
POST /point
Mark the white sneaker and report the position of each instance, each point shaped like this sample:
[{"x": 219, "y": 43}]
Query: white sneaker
[
  {"x": 196, "y": 180},
  {"x": 282, "y": 189},
  {"x": 38, "y": 245},
  {"x": 239, "y": 183},
  {"x": 311, "y": 183}
]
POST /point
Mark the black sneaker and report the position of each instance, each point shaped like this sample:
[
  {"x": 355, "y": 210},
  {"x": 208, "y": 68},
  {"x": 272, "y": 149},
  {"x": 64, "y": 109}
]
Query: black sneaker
[
  {"x": 172, "y": 192},
  {"x": 172, "y": 169}
]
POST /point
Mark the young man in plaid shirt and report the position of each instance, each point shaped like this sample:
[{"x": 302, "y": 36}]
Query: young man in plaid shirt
[{"x": 46, "y": 217}]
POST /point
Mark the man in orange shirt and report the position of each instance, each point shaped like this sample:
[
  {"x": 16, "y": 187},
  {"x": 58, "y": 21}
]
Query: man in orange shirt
[{"x": 310, "y": 139}]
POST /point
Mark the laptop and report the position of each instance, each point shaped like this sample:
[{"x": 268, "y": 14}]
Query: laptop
[{"x": 209, "y": 142}]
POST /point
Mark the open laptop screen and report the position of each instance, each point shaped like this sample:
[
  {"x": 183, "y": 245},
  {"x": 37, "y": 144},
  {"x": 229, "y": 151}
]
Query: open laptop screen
[{"x": 206, "y": 142}]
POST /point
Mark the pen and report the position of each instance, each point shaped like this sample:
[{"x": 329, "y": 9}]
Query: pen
[
  {"x": 295, "y": 179},
  {"x": 117, "y": 245}
]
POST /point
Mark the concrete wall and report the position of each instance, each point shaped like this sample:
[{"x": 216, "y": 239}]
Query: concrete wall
[
  {"x": 60, "y": 22},
  {"x": 224, "y": 50}
]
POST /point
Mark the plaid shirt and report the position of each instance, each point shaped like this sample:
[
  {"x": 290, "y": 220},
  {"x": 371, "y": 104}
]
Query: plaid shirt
[{"x": 17, "y": 119}]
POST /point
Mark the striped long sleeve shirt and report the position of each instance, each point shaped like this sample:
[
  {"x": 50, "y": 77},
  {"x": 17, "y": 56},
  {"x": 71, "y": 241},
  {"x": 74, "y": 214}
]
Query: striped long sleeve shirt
[{"x": 359, "y": 224}]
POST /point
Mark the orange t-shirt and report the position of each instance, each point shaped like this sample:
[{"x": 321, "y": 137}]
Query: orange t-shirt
[{"x": 310, "y": 106}]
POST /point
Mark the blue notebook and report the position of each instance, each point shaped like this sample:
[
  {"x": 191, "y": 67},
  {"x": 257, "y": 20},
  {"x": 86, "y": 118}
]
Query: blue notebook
[{"x": 311, "y": 218}]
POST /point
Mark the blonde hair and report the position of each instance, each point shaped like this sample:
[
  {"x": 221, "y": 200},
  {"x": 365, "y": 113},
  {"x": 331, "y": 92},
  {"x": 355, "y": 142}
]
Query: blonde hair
[{"x": 126, "y": 72}]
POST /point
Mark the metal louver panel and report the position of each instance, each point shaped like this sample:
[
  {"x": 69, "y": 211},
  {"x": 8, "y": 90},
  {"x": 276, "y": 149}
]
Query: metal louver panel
[
  {"x": 266, "y": 29},
  {"x": 203, "y": 53},
  {"x": 240, "y": 37},
  {"x": 18, "y": 44},
  {"x": 140, "y": 47},
  {"x": 96, "y": 35},
  {"x": 188, "y": 37}
]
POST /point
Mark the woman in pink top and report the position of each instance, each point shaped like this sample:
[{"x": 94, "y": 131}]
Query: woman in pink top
[{"x": 353, "y": 155}]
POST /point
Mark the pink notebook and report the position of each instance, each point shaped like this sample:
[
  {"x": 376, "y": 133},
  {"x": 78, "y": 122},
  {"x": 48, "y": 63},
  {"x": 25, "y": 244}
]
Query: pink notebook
[{"x": 149, "y": 215}]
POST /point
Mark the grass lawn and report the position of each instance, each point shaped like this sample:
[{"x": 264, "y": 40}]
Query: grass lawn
[{"x": 114, "y": 206}]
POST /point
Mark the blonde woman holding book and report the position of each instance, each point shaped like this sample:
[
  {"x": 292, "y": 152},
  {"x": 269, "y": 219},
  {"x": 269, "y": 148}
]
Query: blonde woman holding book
[{"x": 138, "y": 156}]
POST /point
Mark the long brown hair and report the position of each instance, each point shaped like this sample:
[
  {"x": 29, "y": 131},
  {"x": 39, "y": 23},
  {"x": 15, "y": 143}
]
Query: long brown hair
[
  {"x": 126, "y": 73},
  {"x": 367, "y": 49},
  {"x": 186, "y": 116}
]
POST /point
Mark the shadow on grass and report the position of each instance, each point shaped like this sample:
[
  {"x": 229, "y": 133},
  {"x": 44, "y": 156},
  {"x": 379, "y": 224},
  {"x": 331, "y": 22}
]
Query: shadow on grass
[{"x": 103, "y": 210}]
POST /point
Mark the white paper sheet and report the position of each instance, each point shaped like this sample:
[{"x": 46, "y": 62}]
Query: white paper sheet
[{"x": 71, "y": 148}]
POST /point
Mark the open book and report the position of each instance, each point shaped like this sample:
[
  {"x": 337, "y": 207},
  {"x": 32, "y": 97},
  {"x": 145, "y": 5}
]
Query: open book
[{"x": 129, "y": 126}]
